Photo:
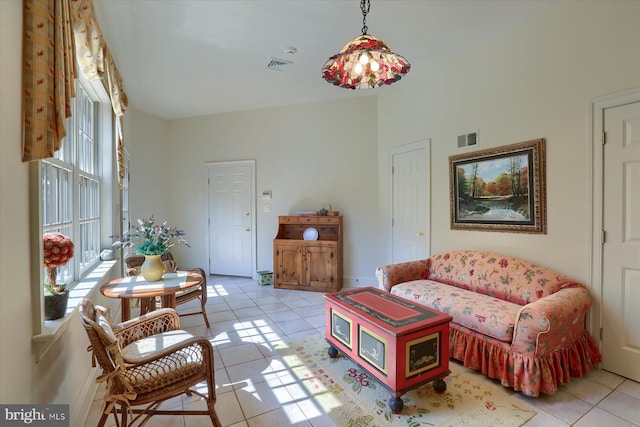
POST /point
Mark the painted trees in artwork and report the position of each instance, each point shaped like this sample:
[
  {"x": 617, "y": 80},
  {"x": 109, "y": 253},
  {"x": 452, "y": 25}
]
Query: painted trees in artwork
[{"x": 494, "y": 185}]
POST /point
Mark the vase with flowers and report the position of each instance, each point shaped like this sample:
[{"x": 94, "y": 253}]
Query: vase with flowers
[
  {"x": 152, "y": 240},
  {"x": 58, "y": 250}
]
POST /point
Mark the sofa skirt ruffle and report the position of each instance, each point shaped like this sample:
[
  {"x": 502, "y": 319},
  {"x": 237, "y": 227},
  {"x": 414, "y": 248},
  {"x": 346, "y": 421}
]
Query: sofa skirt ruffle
[{"x": 530, "y": 375}]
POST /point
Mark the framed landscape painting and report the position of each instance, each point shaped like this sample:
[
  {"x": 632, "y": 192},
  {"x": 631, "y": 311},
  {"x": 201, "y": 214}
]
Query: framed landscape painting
[{"x": 500, "y": 189}]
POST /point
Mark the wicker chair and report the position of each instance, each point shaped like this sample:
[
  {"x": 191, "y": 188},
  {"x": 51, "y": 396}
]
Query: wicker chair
[
  {"x": 147, "y": 360},
  {"x": 133, "y": 264}
]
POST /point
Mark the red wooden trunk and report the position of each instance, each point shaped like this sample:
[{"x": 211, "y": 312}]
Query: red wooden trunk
[{"x": 399, "y": 342}]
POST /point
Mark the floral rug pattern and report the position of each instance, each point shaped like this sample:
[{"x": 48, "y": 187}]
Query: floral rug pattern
[{"x": 353, "y": 398}]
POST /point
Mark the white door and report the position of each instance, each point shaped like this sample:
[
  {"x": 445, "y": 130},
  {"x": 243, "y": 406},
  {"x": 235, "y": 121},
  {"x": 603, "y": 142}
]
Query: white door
[
  {"x": 410, "y": 187},
  {"x": 621, "y": 248},
  {"x": 231, "y": 221}
]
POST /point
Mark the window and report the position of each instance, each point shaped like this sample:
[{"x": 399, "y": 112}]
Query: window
[{"x": 71, "y": 185}]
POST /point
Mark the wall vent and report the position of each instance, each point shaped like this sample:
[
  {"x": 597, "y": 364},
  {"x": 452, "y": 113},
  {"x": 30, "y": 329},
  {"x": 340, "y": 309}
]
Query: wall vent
[
  {"x": 278, "y": 64},
  {"x": 468, "y": 140}
]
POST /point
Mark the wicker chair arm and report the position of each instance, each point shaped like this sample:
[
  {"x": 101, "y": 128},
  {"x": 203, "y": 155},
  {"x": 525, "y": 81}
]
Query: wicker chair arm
[
  {"x": 198, "y": 345},
  {"x": 155, "y": 322}
]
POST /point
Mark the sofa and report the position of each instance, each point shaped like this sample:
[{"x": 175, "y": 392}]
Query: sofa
[{"x": 514, "y": 321}]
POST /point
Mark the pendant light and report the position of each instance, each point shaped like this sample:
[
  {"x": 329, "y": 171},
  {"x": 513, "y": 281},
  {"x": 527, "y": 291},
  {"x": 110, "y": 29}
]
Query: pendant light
[{"x": 365, "y": 62}]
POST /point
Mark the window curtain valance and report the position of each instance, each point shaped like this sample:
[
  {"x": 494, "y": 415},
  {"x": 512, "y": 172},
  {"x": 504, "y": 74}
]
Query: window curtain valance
[{"x": 57, "y": 35}]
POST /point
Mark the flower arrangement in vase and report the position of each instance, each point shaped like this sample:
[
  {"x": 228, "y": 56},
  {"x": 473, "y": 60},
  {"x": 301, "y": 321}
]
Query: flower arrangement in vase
[
  {"x": 152, "y": 240},
  {"x": 58, "y": 250}
]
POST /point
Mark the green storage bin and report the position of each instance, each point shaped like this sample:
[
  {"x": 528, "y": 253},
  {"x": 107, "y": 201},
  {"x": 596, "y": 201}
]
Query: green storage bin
[{"x": 265, "y": 277}]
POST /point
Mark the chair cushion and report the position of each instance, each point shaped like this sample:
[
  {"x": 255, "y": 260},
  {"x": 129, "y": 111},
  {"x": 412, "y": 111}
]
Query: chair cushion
[
  {"x": 103, "y": 321},
  {"x": 171, "y": 368},
  {"x": 481, "y": 313},
  {"x": 153, "y": 344}
]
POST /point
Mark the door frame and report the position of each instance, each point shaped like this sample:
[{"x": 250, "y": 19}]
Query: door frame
[
  {"x": 597, "y": 106},
  {"x": 401, "y": 149},
  {"x": 254, "y": 250}
]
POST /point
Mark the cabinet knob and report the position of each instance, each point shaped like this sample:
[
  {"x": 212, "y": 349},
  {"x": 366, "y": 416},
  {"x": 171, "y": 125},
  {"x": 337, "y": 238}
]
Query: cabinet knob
[
  {"x": 420, "y": 234},
  {"x": 247, "y": 229}
]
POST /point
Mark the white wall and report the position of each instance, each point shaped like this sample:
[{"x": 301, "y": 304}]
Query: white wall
[
  {"x": 16, "y": 360},
  {"x": 307, "y": 155},
  {"x": 151, "y": 168},
  {"x": 534, "y": 83}
]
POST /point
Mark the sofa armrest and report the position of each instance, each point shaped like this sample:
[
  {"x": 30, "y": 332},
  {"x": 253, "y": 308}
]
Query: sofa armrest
[
  {"x": 552, "y": 322},
  {"x": 392, "y": 274}
]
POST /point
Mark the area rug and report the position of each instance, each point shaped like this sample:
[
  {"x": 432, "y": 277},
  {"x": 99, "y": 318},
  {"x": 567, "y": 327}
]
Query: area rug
[{"x": 352, "y": 397}]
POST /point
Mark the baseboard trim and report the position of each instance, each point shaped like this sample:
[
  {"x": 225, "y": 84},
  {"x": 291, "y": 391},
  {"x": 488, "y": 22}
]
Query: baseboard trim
[
  {"x": 358, "y": 282},
  {"x": 83, "y": 405}
]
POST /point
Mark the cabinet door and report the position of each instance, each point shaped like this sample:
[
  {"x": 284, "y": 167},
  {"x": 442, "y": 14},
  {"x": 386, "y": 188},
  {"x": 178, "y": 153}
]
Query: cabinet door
[
  {"x": 289, "y": 265},
  {"x": 321, "y": 266}
]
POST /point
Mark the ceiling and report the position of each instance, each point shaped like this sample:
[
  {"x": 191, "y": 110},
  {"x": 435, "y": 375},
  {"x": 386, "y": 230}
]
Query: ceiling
[{"x": 192, "y": 58}]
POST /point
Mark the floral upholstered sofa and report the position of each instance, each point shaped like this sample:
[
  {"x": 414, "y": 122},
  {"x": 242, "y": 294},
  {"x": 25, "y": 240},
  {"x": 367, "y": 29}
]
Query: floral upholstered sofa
[{"x": 514, "y": 321}]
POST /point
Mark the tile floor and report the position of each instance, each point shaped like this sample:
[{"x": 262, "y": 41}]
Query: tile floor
[{"x": 254, "y": 387}]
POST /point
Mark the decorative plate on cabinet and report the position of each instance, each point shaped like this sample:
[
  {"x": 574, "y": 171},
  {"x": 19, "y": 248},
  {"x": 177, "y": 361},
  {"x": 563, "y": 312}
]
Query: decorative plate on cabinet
[{"x": 310, "y": 234}]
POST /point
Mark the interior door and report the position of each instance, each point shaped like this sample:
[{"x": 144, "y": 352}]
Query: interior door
[
  {"x": 621, "y": 248},
  {"x": 410, "y": 187},
  {"x": 231, "y": 221}
]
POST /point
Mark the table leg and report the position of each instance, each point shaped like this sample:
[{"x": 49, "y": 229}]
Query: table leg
[
  {"x": 124, "y": 309},
  {"x": 169, "y": 301},
  {"x": 147, "y": 305}
]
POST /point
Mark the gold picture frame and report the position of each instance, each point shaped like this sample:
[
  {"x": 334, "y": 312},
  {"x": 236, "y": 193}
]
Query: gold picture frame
[
  {"x": 372, "y": 348},
  {"x": 500, "y": 189},
  {"x": 341, "y": 328},
  {"x": 423, "y": 354}
]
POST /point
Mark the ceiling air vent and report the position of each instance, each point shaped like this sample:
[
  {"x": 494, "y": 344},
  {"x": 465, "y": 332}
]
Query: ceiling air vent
[
  {"x": 278, "y": 64},
  {"x": 468, "y": 140}
]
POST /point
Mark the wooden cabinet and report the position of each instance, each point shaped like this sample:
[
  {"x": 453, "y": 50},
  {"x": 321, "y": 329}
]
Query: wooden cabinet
[{"x": 311, "y": 265}]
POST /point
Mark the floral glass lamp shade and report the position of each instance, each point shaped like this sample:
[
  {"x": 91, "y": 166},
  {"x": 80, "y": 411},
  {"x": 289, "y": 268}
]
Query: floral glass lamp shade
[{"x": 365, "y": 62}]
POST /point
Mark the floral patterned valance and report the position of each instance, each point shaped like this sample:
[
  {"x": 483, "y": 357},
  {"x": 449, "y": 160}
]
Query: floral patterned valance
[{"x": 57, "y": 34}]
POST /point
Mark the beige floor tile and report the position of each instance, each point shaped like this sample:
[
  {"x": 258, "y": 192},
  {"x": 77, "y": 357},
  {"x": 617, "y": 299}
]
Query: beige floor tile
[
  {"x": 606, "y": 378},
  {"x": 632, "y": 388},
  {"x": 255, "y": 371},
  {"x": 238, "y": 354},
  {"x": 599, "y": 417},
  {"x": 562, "y": 405},
  {"x": 287, "y": 415},
  {"x": 622, "y": 405},
  {"x": 260, "y": 398},
  {"x": 227, "y": 408},
  {"x": 587, "y": 390}
]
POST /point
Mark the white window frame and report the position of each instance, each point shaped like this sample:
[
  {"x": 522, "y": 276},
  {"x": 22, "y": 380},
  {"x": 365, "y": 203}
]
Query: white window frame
[
  {"x": 47, "y": 332},
  {"x": 75, "y": 210}
]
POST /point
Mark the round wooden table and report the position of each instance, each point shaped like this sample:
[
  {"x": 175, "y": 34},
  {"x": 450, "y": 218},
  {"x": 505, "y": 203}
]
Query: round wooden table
[{"x": 137, "y": 287}]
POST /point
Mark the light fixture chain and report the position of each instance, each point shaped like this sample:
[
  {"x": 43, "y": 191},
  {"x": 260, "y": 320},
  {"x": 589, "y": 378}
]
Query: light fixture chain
[{"x": 365, "y": 5}]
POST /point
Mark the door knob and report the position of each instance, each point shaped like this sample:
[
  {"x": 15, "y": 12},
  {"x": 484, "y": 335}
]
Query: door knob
[
  {"x": 247, "y": 229},
  {"x": 420, "y": 234}
]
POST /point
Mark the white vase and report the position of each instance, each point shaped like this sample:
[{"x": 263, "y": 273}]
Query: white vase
[{"x": 152, "y": 268}]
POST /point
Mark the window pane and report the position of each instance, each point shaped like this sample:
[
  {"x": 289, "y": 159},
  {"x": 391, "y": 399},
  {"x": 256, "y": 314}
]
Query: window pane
[{"x": 71, "y": 188}]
